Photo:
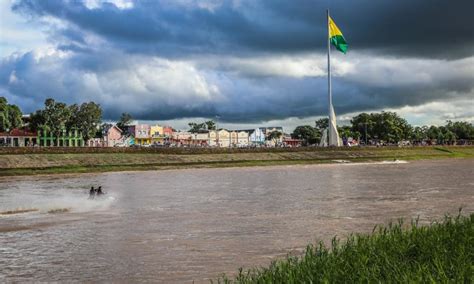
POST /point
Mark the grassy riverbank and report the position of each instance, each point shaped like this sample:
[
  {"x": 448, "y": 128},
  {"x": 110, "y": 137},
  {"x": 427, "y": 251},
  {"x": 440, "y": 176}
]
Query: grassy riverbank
[
  {"x": 30, "y": 161},
  {"x": 440, "y": 253}
]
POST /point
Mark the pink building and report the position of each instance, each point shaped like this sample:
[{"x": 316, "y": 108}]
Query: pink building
[
  {"x": 112, "y": 136},
  {"x": 167, "y": 131}
]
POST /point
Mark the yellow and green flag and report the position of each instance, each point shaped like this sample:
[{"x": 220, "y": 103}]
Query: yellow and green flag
[{"x": 336, "y": 37}]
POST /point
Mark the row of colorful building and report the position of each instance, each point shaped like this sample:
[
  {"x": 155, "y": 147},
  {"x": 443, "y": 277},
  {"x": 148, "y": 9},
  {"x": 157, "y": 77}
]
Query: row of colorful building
[
  {"x": 155, "y": 135},
  {"x": 151, "y": 135}
]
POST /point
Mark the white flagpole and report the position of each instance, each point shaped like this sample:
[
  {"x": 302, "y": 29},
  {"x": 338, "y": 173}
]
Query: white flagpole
[
  {"x": 333, "y": 137},
  {"x": 329, "y": 82}
]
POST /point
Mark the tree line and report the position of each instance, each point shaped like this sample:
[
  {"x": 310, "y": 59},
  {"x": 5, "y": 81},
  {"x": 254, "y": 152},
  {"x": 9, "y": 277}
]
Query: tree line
[
  {"x": 387, "y": 127},
  {"x": 57, "y": 117},
  {"x": 86, "y": 118}
]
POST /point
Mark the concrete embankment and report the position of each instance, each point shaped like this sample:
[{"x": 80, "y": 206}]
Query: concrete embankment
[{"x": 29, "y": 161}]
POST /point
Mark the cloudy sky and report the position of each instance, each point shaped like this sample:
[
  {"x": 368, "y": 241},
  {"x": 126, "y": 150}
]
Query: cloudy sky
[{"x": 248, "y": 62}]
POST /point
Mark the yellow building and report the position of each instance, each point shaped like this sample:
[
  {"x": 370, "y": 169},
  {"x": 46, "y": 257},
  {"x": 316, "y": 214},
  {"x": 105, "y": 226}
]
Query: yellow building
[
  {"x": 156, "y": 130},
  {"x": 157, "y": 134}
]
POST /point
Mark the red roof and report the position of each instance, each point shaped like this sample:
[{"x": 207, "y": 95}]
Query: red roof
[{"x": 19, "y": 133}]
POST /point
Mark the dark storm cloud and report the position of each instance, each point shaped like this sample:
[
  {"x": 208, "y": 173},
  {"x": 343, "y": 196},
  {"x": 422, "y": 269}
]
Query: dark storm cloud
[
  {"x": 245, "y": 62},
  {"x": 423, "y": 28}
]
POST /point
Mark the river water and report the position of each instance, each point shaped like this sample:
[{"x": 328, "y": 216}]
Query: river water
[{"x": 185, "y": 225}]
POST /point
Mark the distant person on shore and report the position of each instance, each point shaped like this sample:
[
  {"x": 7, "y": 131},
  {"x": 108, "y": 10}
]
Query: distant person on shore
[{"x": 92, "y": 192}]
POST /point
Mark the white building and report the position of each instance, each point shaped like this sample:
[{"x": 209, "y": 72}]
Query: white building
[
  {"x": 257, "y": 137},
  {"x": 181, "y": 138},
  {"x": 220, "y": 138},
  {"x": 226, "y": 138},
  {"x": 201, "y": 139},
  {"x": 241, "y": 139}
]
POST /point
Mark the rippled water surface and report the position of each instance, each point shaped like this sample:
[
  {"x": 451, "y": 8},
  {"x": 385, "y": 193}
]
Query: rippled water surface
[{"x": 185, "y": 225}]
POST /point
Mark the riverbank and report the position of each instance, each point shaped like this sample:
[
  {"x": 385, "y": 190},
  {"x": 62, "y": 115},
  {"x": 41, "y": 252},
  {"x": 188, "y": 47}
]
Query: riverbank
[
  {"x": 32, "y": 161},
  {"x": 441, "y": 253}
]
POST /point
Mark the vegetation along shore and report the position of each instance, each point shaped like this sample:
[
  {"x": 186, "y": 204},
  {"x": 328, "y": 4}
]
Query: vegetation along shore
[
  {"x": 31, "y": 161},
  {"x": 438, "y": 253}
]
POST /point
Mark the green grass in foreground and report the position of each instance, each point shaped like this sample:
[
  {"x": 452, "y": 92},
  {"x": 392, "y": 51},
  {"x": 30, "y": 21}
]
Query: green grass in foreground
[{"x": 439, "y": 253}]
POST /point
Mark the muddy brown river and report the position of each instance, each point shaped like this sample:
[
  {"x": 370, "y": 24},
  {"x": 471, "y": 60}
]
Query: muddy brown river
[{"x": 193, "y": 225}]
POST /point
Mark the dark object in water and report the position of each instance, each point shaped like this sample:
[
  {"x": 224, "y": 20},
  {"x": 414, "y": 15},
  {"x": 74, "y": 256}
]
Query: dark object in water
[
  {"x": 95, "y": 192},
  {"x": 92, "y": 193}
]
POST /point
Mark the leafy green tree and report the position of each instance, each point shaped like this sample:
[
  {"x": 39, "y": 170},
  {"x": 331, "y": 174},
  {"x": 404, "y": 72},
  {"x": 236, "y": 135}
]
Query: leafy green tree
[
  {"x": 322, "y": 124},
  {"x": 346, "y": 132},
  {"x": 449, "y": 137},
  {"x": 101, "y": 129},
  {"x": 85, "y": 118},
  {"x": 419, "y": 134},
  {"x": 4, "y": 118},
  {"x": 441, "y": 135},
  {"x": 385, "y": 126},
  {"x": 307, "y": 133},
  {"x": 3, "y": 103},
  {"x": 14, "y": 116},
  {"x": 197, "y": 127},
  {"x": 274, "y": 136},
  {"x": 4, "y": 125},
  {"x": 363, "y": 124},
  {"x": 37, "y": 121},
  {"x": 53, "y": 118},
  {"x": 461, "y": 129},
  {"x": 433, "y": 132},
  {"x": 56, "y": 116},
  {"x": 10, "y": 115},
  {"x": 125, "y": 120},
  {"x": 210, "y": 125}
]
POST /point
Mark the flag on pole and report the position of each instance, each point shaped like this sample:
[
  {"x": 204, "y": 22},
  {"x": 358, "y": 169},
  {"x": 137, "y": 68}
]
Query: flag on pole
[{"x": 336, "y": 37}]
